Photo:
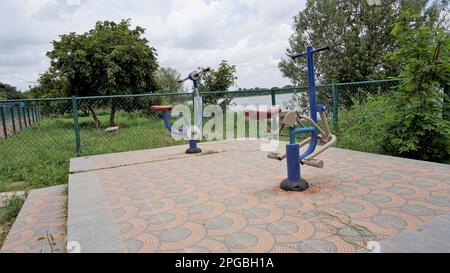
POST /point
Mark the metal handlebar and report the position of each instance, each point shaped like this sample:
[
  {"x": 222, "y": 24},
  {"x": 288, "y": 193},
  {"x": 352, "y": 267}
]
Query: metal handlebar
[
  {"x": 296, "y": 55},
  {"x": 194, "y": 75}
]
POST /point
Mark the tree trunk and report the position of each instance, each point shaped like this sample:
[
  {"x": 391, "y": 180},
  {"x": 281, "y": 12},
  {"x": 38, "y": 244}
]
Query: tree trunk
[
  {"x": 94, "y": 116},
  {"x": 112, "y": 116}
]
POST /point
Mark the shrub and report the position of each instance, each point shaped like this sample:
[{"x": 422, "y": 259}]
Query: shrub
[
  {"x": 419, "y": 129},
  {"x": 363, "y": 126}
]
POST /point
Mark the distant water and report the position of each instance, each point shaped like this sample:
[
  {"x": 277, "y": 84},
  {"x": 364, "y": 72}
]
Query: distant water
[{"x": 285, "y": 101}]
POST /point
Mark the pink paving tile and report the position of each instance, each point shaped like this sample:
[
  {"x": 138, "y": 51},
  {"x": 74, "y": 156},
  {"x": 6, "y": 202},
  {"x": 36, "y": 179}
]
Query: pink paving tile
[
  {"x": 43, "y": 215},
  {"x": 230, "y": 201}
]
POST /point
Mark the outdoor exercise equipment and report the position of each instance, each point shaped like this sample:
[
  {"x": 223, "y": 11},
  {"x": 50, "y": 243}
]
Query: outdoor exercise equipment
[
  {"x": 191, "y": 131},
  {"x": 293, "y": 121}
]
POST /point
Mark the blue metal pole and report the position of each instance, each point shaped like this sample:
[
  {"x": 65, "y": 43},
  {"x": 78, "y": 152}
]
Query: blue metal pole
[
  {"x": 193, "y": 149},
  {"x": 311, "y": 82},
  {"x": 292, "y": 136},
  {"x": 312, "y": 101},
  {"x": 192, "y": 144},
  {"x": 293, "y": 166}
]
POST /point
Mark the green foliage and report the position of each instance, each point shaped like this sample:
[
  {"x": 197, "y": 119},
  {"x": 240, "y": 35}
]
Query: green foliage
[
  {"x": 419, "y": 129},
  {"x": 111, "y": 59},
  {"x": 363, "y": 126},
  {"x": 11, "y": 209},
  {"x": 167, "y": 78},
  {"x": 357, "y": 33},
  {"x": 39, "y": 156},
  {"x": 218, "y": 80},
  {"x": 8, "y": 92},
  {"x": 8, "y": 214}
]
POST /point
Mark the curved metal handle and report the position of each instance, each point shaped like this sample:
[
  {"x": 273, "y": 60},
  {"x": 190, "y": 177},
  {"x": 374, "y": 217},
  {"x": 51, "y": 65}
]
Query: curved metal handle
[
  {"x": 194, "y": 75},
  {"x": 296, "y": 55},
  {"x": 321, "y": 49}
]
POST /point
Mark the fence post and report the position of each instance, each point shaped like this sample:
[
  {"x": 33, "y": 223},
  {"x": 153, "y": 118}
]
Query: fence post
[
  {"x": 76, "y": 126},
  {"x": 19, "y": 117},
  {"x": 2, "y": 114},
  {"x": 24, "y": 117},
  {"x": 335, "y": 105},
  {"x": 274, "y": 102},
  {"x": 11, "y": 110},
  {"x": 28, "y": 115}
]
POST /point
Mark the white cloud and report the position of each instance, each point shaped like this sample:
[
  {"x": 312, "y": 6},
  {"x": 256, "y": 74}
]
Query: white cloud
[{"x": 252, "y": 34}]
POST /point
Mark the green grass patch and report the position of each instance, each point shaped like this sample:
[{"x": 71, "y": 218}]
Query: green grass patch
[
  {"x": 8, "y": 214},
  {"x": 39, "y": 156}
]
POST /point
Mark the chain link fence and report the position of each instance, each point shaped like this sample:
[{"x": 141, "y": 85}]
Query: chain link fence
[
  {"x": 39, "y": 136},
  {"x": 17, "y": 116}
]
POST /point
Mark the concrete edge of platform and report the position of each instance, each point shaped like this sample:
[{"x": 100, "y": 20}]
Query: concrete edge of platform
[
  {"x": 88, "y": 208},
  {"x": 429, "y": 237}
]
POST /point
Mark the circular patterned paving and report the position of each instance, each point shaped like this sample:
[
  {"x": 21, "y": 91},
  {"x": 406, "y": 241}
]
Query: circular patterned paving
[
  {"x": 256, "y": 213},
  {"x": 439, "y": 201},
  {"x": 377, "y": 198},
  {"x": 283, "y": 228},
  {"x": 317, "y": 246},
  {"x": 200, "y": 209},
  {"x": 417, "y": 210},
  {"x": 219, "y": 223},
  {"x": 241, "y": 240},
  {"x": 389, "y": 221},
  {"x": 161, "y": 218},
  {"x": 349, "y": 207},
  {"x": 175, "y": 234},
  {"x": 225, "y": 210}
]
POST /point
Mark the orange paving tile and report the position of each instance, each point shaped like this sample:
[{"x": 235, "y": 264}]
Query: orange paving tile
[
  {"x": 230, "y": 201},
  {"x": 40, "y": 226}
]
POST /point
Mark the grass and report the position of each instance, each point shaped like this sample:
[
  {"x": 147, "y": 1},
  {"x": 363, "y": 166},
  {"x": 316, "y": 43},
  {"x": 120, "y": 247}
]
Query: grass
[
  {"x": 8, "y": 214},
  {"x": 39, "y": 156}
]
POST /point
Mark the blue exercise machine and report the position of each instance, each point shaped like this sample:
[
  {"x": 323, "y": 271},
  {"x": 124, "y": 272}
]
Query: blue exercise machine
[
  {"x": 191, "y": 131},
  {"x": 293, "y": 120}
]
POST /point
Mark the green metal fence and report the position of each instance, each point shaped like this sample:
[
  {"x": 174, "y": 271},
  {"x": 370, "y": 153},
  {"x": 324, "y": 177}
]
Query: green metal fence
[
  {"x": 39, "y": 136},
  {"x": 82, "y": 121},
  {"x": 16, "y": 116}
]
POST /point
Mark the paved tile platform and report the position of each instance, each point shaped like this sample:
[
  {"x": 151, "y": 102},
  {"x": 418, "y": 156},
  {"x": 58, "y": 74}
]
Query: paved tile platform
[
  {"x": 42, "y": 216},
  {"x": 228, "y": 200}
]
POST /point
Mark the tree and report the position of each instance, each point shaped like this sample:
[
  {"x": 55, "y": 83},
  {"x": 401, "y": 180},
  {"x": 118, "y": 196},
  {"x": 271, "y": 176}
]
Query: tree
[
  {"x": 8, "y": 92},
  {"x": 218, "y": 80},
  {"x": 167, "y": 78},
  {"x": 111, "y": 59},
  {"x": 419, "y": 129},
  {"x": 357, "y": 33}
]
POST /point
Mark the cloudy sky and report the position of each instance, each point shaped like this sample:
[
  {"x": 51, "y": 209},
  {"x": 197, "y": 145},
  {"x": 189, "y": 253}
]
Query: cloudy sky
[{"x": 252, "y": 34}]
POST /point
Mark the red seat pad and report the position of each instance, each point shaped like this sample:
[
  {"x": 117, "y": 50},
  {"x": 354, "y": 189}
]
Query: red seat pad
[
  {"x": 268, "y": 112},
  {"x": 162, "y": 108}
]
